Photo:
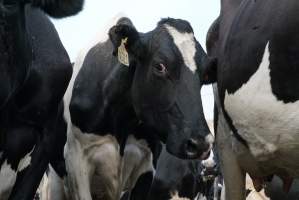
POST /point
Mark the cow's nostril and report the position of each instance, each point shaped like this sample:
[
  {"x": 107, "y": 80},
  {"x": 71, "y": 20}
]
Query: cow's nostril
[
  {"x": 192, "y": 146},
  {"x": 196, "y": 148}
]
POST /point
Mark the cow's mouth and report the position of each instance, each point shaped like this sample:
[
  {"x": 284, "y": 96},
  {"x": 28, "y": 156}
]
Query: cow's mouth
[
  {"x": 195, "y": 154},
  {"x": 197, "y": 149},
  {"x": 201, "y": 156},
  {"x": 205, "y": 155}
]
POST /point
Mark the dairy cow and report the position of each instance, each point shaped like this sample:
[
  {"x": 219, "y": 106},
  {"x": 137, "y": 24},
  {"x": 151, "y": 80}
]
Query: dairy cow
[
  {"x": 105, "y": 106},
  {"x": 35, "y": 70},
  {"x": 253, "y": 48}
]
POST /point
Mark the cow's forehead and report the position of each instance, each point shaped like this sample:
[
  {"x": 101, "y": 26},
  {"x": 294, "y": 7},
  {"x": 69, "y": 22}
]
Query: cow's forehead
[{"x": 186, "y": 44}]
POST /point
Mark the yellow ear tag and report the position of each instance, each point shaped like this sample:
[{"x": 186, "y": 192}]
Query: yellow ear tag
[{"x": 123, "y": 56}]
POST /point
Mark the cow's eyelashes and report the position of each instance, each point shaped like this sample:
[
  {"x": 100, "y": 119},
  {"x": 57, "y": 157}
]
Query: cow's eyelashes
[{"x": 161, "y": 68}]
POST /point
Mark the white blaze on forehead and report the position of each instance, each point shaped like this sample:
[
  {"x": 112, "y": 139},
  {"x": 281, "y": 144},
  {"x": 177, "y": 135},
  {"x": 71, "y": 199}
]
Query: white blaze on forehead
[
  {"x": 25, "y": 162},
  {"x": 186, "y": 45}
]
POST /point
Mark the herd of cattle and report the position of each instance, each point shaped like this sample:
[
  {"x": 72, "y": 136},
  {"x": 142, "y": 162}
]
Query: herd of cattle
[{"x": 126, "y": 121}]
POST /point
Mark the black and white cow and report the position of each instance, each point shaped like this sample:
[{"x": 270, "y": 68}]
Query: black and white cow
[
  {"x": 160, "y": 83},
  {"x": 254, "y": 46},
  {"x": 35, "y": 70}
]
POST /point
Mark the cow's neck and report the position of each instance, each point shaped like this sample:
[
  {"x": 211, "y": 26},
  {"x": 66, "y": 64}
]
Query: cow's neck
[{"x": 14, "y": 49}]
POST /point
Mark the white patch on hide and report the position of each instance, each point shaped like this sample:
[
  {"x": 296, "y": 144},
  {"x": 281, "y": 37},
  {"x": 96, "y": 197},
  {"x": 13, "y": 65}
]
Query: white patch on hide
[
  {"x": 266, "y": 123},
  {"x": 186, "y": 45},
  {"x": 25, "y": 162},
  {"x": 175, "y": 196}
]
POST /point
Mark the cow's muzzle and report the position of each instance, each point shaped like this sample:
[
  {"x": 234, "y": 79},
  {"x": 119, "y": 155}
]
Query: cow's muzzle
[{"x": 196, "y": 149}]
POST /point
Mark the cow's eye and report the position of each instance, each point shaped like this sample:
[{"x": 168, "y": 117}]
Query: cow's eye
[{"x": 161, "y": 69}]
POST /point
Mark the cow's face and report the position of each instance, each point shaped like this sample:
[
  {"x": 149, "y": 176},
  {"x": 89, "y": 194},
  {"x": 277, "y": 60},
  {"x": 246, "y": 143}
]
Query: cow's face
[{"x": 166, "y": 86}]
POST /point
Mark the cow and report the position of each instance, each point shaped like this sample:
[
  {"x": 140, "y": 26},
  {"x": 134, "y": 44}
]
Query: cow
[
  {"x": 190, "y": 179},
  {"x": 102, "y": 108},
  {"x": 35, "y": 70},
  {"x": 252, "y": 49}
]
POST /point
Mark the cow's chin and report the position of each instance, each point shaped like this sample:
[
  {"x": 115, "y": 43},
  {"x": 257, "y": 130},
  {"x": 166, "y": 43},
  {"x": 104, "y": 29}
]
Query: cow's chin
[
  {"x": 195, "y": 154},
  {"x": 205, "y": 155},
  {"x": 201, "y": 156}
]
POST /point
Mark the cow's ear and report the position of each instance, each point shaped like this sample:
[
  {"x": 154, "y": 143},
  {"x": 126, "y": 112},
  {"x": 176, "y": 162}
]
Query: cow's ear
[
  {"x": 126, "y": 42},
  {"x": 209, "y": 74}
]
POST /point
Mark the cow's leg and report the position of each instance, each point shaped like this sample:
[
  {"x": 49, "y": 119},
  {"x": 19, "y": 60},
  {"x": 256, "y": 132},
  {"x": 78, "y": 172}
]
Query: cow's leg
[
  {"x": 106, "y": 178},
  {"x": 77, "y": 180},
  {"x": 234, "y": 176},
  {"x": 19, "y": 148},
  {"x": 17, "y": 145},
  {"x": 7, "y": 180},
  {"x": 137, "y": 169},
  {"x": 46, "y": 140},
  {"x": 43, "y": 188},
  {"x": 28, "y": 179},
  {"x": 142, "y": 186},
  {"x": 52, "y": 187}
]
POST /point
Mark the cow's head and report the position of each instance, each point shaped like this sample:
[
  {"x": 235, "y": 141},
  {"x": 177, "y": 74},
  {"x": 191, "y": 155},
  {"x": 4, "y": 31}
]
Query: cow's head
[{"x": 166, "y": 86}]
